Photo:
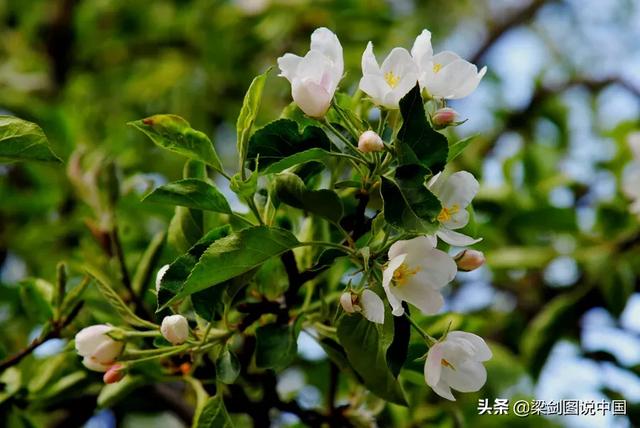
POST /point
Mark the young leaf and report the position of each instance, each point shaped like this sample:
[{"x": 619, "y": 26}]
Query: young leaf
[
  {"x": 113, "y": 393},
  {"x": 318, "y": 155},
  {"x": 35, "y": 295},
  {"x": 23, "y": 140},
  {"x": 234, "y": 255},
  {"x": 282, "y": 138},
  {"x": 418, "y": 143},
  {"x": 291, "y": 190},
  {"x": 173, "y": 133},
  {"x": 248, "y": 114},
  {"x": 458, "y": 147},
  {"x": 408, "y": 204},
  {"x": 181, "y": 267},
  {"x": 184, "y": 230},
  {"x": 212, "y": 415},
  {"x": 191, "y": 193},
  {"x": 116, "y": 302},
  {"x": 227, "y": 366},
  {"x": 366, "y": 352}
]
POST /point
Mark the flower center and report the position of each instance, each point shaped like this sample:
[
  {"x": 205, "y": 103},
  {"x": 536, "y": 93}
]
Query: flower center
[
  {"x": 446, "y": 363},
  {"x": 447, "y": 212},
  {"x": 403, "y": 273},
  {"x": 437, "y": 67},
  {"x": 391, "y": 79}
]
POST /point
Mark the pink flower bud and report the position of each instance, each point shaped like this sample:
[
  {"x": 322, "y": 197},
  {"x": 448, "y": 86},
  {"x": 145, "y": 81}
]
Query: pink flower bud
[
  {"x": 469, "y": 260},
  {"x": 114, "y": 374},
  {"x": 444, "y": 117},
  {"x": 370, "y": 142}
]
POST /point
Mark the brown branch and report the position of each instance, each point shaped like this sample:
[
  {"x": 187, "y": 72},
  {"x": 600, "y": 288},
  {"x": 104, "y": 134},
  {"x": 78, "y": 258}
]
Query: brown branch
[{"x": 55, "y": 332}]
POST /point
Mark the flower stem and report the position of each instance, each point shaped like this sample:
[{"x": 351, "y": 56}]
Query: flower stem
[{"x": 429, "y": 339}]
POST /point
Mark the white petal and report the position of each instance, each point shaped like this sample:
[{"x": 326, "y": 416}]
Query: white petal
[
  {"x": 312, "y": 98},
  {"x": 455, "y": 238},
  {"x": 387, "y": 277},
  {"x": 372, "y": 306},
  {"x": 107, "y": 352},
  {"x": 481, "y": 350},
  {"x": 462, "y": 77},
  {"x": 94, "y": 365},
  {"x": 468, "y": 377},
  {"x": 436, "y": 269},
  {"x": 420, "y": 295},
  {"x": 458, "y": 189},
  {"x": 399, "y": 62},
  {"x": 90, "y": 338},
  {"x": 422, "y": 51},
  {"x": 326, "y": 42},
  {"x": 374, "y": 86},
  {"x": 369, "y": 62},
  {"x": 433, "y": 365},
  {"x": 288, "y": 64},
  {"x": 457, "y": 220},
  {"x": 415, "y": 246}
]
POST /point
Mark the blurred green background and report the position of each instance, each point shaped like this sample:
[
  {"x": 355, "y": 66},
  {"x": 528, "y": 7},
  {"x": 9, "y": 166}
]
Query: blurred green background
[{"x": 558, "y": 298}]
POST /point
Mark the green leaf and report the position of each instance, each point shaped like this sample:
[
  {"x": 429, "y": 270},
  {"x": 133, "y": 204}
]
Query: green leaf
[
  {"x": 248, "y": 114},
  {"x": 408, "y": 204},
  {"x": 23, "y": 140},
  {"x": 282, "y": 138},
  {"x": 213, "y": 415},
  {"x": 35, "y": 295},
  {"x": 418, "y": 143},
  {"x": 102, "y": 281},
  {"x": 290, "y": 189},
  {"x": 236, "y": 254},
  {"x": 399, "y": 347},
  {"x": 276, "y": 345},
  {"x": 173, "y": 133},
  {"x": 181, "y": 267},
  {"x": 227, "y": 366},
  {"x": 362, "y": 341},
  {"x": 191, "y": 193},
  {"x": 310, "y": 155},
  {"x": 458, "y": 147}
]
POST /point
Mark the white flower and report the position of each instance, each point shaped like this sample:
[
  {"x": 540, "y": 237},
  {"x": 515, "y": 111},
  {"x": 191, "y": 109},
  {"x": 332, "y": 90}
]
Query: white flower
[
  {"x": 175, "y": 329},
  {"x": 160, "y": 275},
  {"x": 369, "y": 142},
  {"x": 98, "y": 349},
  {"x": 444, "y": 75},
  {"x": 455, "y": 192},
  {"x": 631, "y": 177},
  {"x": 456, "y": 362},
  {"x": 415, "y": 274},
  {"x": 386, "y": 85},
  {"x": 314, "y": 77},
  {"x": 368, "y": 303}
]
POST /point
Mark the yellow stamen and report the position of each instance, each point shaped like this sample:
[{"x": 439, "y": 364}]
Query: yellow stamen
[
  {"x": 436, "y": 67},
  {"x": 446, "y": 363},
  {"x": 391, "y": 79},
  {"x": 447, "y": 212},
  {"x": 403, "y": 273}
]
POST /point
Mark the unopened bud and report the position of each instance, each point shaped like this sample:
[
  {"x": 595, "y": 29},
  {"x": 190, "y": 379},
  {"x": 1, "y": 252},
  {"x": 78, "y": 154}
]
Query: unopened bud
[
  {"x": 175, "y": 329},
  {"x": 114, "y": 374},
  {"x": 444, "y": 117},
  {"x": 370, "y": 142},
  {"x": 469, "y": 260},
  {"x": 348, "y": 301}
]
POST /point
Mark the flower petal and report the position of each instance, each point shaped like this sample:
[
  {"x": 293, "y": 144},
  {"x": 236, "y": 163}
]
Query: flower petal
[
  {"x": 458, "y": 189},
  {"x": 94, "y": 365},
  {"x": 369, "y": 62},
  {"x": 468, "y": 377},
  {"x": 400, "y": 63},
  {"x": 312, "y": 98},
  {"x": 415, "y": 245},
  {"x": 420, "y": 295},
  {"x": 455, "y": 238},
  {"x": 89, "y": 338},
  {"x": 482, "y": 352},
  {"x": 387, "y": 277},
  {"x": 436, "y": 269},
  {"x": 372, "y": 306},
  {"x": 443, "y": 390},
  {"x": 422, "y": 51},
  {"x": 288, "y": 64},
  {"x": 433, "y": 365},
  {"x": 325, "y": 41}
]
